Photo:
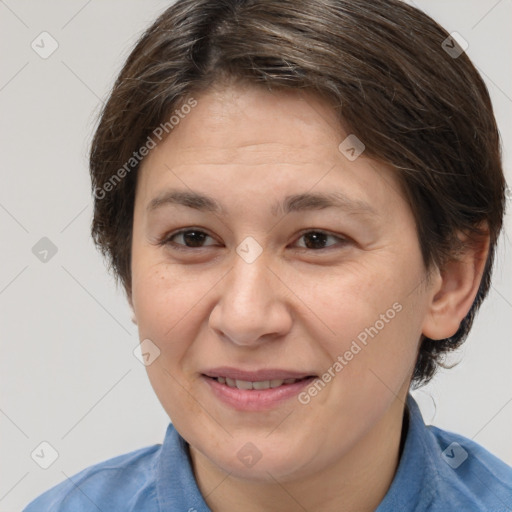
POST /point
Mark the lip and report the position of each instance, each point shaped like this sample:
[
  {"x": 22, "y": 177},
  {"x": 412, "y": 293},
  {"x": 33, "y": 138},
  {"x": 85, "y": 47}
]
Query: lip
[{"x": 255, "y": 399}]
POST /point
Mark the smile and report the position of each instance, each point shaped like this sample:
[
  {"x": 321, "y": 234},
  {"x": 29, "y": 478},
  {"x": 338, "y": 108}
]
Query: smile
[
  {"x": 255, "y": 391},
  {"x": 262, "y": 384}
]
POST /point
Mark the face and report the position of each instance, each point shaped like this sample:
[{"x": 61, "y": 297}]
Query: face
[{"x": 265, "y": 283}]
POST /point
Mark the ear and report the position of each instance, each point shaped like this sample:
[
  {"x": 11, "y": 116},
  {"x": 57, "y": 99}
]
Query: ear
[
  {"x": 130, "y": 303},
  {"x": 455, "y": 287}
]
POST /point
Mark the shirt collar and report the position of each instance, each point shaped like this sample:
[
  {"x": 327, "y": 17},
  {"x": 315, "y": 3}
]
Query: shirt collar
[
  {"x": 176, "y": 485},
  {"x": 414, "y": 482}
]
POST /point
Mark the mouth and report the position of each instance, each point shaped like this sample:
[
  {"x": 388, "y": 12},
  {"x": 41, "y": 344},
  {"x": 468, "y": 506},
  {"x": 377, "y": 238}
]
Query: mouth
[
  {"x": 259, "y": 384},
  {"x": 255, "y": 390}
]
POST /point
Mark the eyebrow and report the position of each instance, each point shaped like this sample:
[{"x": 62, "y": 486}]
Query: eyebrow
[{"x": 291, "y": 203}]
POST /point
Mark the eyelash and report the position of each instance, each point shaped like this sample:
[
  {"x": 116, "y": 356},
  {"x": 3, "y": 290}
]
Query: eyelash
[{"x": 167, "y": 240}]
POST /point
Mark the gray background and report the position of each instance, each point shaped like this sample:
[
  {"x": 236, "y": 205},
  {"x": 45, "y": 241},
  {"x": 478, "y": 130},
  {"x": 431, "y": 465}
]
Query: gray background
[{"x": 67, "y": 369}]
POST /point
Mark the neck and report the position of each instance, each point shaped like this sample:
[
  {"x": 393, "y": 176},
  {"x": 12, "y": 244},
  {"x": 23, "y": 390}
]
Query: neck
[{"x": 359, "y": 481}]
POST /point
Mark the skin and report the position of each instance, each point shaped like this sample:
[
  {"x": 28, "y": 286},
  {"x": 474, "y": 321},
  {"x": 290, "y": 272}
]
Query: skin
[{"x": 293, "y": 307}]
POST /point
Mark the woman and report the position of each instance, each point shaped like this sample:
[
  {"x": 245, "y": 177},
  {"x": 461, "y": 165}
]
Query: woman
[{"x": 302, "y": 201}]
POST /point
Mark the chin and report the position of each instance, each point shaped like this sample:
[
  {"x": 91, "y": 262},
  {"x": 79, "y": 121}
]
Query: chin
[{"x": 258, "y": 460}]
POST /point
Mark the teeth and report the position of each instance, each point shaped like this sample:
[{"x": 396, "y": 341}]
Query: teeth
[
  {"x": 243, "y": 384},
  {"x": 262, "y": 384}
]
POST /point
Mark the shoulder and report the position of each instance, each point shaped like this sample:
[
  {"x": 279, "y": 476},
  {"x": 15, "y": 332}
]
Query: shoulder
[
  {"x": 470, "y": 477},
  {"x": 126, "y": 481}
]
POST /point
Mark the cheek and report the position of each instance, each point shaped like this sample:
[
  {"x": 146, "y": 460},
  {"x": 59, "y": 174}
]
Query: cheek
[
  {"x": 164, "y": 305},
  {"x": 151, "y": 298},
  {"x": 159, "y": 301},
  {"x": 374, "y": 315},
  {"x": 170, "y": 306},
  {"x": 349, "y": 298}
]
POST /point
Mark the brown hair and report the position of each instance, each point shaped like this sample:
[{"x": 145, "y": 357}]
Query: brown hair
[{"x": 414, "y": 104}]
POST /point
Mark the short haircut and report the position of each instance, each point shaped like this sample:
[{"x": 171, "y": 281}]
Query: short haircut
[{"x": 397, "y": 80}]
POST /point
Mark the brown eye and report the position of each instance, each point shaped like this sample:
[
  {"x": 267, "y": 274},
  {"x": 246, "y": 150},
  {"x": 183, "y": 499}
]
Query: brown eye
[
  {"x": 316, "y": 240},
  {"x": 189, "y": 238}
]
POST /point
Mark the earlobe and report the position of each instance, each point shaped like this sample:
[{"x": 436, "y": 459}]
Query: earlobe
[
  {"x": 133, "y": 316},
  {"x": 456, "y": 288}
]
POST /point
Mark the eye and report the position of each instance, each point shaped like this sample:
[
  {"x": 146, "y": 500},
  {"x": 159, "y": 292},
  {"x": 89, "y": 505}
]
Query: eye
[
  {"x": 187, "y": 239},
  {"x": 195, "y": 239},
  {"x": 317, "y": 240}
]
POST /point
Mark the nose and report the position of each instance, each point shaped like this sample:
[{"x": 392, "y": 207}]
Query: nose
[{"x": 252, "y": 307}]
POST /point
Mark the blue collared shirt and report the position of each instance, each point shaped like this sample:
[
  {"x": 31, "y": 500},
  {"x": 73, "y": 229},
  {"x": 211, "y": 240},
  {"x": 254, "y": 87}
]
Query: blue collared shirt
[{"x": 438, "y": 472}]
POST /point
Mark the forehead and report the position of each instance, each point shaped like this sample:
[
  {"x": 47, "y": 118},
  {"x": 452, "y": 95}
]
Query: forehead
[
  {"x": 250, "y": 140},
  {"x": 255, "y": 125}
]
